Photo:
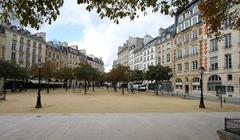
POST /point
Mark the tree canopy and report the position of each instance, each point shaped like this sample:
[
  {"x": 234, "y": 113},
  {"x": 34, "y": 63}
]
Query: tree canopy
[
  {"x": 36, "y": 12},
  {"x": 121, "y": 73},
  {"x": 158, "y": 72}
]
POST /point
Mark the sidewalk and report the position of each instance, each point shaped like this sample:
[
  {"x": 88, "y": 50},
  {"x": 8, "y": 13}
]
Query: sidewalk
[{"x": 113, "y": 126}]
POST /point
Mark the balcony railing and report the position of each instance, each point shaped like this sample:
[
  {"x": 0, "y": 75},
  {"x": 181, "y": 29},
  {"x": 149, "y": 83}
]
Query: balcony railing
[{"x": 232, "y": 125}]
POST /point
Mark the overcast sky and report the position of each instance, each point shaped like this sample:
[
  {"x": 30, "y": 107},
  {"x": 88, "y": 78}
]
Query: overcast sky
[{"x": 100, "y": 37}]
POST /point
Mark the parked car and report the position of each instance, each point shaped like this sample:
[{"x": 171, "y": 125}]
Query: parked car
[{"x": 142, "y": 88}]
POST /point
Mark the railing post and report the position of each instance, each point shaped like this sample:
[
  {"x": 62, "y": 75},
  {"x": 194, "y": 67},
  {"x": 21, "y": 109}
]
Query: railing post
[{"x": 225, "y": 124}]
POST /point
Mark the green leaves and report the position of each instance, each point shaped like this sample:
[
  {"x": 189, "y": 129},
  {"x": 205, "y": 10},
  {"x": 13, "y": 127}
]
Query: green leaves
[
  {"x": 85, "y": 72},
  {"x": 158, "y": 73},
  {"x": 33, "y": 13}
]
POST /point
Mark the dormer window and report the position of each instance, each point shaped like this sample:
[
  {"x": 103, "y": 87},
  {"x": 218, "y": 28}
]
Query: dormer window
[
  {"x": 187, "y": 14},
  {"x": 195, "y": 9},
  {"x": 180, "y": 18}
]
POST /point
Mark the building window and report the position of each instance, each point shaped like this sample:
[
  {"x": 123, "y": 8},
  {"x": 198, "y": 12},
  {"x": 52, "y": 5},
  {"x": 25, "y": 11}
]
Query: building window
[
  {"x": 227, "y": 41},
  {"x": 230, "y": 88},
  {"x": 186, "y": 24},
  {"x": 13, "y": 56},
  {"x": 179, "y": 28},
  {"x": 196, "y": 83},
  {"x": 194, "y": 34},
  {"x": 195, "y": 9},
  {"x": 213, "y": 81},
  {"x": 213, "y": 45},
  {"x": 195, "y": 20},
  {"x": 180, "y": 18},
  {"x": 194, "y": 50},
  {"x": 186, "y": 52},
  {"x": 162, "y": 59},
  {"x": 186, "y": 38},
  {"x": 151, "y": 50},
  {"x": 159, "y": 60},
  {"x": 227, "y": 22},
  {"x": 187, "y": 14},
  {"x": 21, "y": 40},
  {"x": 228, "y": 61},
  {"x": 214, "y": 63},
  {"x": 179, "y": 53},
  {"x": 229, "y": 76},
  {"x": 151, "y": 56},
  {"x": 186, "y": 66},
  {"x": 168, "y": 57},
  {"x": 195, "y": 65},
  {"x": 179, "y": 67}
]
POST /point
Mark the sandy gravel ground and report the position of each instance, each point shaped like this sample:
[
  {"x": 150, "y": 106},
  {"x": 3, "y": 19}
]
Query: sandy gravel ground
[{"x": 103, "y": 101}]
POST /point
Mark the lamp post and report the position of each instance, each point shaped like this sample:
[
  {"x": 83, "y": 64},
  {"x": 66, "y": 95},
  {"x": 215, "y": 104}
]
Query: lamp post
[
  {"x": 201, "y": 70},
  {"x": 170, "y": 74},
  {"x": 38, "y": 104}
]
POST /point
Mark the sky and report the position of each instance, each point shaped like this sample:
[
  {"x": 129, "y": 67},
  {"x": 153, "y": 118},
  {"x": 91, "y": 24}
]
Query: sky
[{"x": 100, "y": 37}]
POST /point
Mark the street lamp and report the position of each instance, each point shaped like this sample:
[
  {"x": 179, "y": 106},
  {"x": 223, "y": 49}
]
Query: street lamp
[
  {"x": 170, "y": 74},
  {"x": 38, "y": 104},
  {"x": 201, "y": 71}
]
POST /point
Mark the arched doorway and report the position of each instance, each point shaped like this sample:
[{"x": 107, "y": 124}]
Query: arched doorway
[{"x": 214, "y": 81}]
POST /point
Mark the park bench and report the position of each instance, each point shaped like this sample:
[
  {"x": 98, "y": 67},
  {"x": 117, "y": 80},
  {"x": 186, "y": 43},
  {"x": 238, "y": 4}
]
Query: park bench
[{"x": 2, "y": 95}]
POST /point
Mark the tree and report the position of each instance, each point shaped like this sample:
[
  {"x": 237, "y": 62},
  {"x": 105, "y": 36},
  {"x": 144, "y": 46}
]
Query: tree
[
  {"x": 84, "y": 72},
  {"x": 136, "y": 75},
  {"x": 158, "y": 73},
  {"x": 46, "y": 71},
  {"x": 119, "y": 74},
  {"x": 36, "y": 12},
  {"x": 216, "y": 12},
  {"x": 30, "y": 12},
  {"x": 65, "y": 74}
]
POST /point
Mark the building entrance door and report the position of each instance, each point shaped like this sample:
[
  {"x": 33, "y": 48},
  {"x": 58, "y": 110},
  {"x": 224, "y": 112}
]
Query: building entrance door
[{"x": 186, "y": 90}]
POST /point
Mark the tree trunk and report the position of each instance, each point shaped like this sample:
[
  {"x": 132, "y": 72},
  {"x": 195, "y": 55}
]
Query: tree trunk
[
  {"x": 85, "y": 87},
  {"x": 115, "y": 88},
  {"x": 122, "y": 90},
  {"x": 4, "y": 88},
  {"x": 93, "y": 86},
  {"x": 156, "y": 87}
]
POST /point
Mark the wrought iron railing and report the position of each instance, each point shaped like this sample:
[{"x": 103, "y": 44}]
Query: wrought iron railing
[{"x": 232, "y": 125}]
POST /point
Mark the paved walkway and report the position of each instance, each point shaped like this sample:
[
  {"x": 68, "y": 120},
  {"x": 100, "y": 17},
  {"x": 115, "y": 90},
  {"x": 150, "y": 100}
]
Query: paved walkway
[{"x": 114, "y": 126}]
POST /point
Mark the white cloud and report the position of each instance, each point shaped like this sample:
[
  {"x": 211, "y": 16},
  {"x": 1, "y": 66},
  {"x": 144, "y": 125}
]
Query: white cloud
[{"x": 102, "y": 37}]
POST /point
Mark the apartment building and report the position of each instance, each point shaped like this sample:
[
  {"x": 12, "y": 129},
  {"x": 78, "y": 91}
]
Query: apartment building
[
  {"x": 189, "y": 49},
  {"x": 133, "y": 43},
  {"x": 165, "y": 47},
  {"x": 73, "y": 56},
  {"x": 122, "y": 55},
  {"x": 149, "y": 53},
  {"x": 57, "y": 54},
  {"x": 23, "y": 47},
  {"x": 224, "y": 60},
  {"x": 138, "y": 58},
  {"x": 2, "y": 41}
]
